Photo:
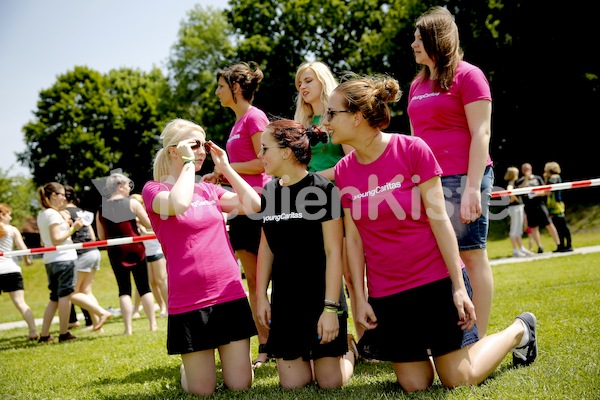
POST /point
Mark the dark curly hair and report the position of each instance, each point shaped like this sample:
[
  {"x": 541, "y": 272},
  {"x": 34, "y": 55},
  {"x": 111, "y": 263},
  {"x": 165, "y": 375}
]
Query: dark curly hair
[{"x": 296, "y": 136}]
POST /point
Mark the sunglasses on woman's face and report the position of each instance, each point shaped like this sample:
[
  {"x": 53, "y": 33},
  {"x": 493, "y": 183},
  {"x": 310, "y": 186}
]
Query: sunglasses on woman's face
[{"x": 197, "y": 145}]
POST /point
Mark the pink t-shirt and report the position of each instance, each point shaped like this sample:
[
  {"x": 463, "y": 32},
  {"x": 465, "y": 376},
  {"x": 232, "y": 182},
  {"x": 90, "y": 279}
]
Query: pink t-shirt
[
  {"x": 400, "y": 249},
  {"x": 201, "y": 267},
  {"x": 239, "y": 145},
  {"x": 440, "y": 119}
]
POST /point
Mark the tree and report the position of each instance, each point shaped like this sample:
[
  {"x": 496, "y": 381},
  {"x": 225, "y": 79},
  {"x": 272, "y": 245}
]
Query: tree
[
  {"x": 202, "y": 48},
  {"x": 19, "y": 193},
  {"x": 85, "y": 125}
]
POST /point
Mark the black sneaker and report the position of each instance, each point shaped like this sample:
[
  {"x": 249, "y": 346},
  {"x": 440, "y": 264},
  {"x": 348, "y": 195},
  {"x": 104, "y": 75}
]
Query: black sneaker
[
  {"x": 540, "y": 250},
  {"x": 527, "y": 354},
  {"x": 559, "y": 249},
  {"x": 45, "y": 339},
  {"x": 66, "y": 336},
  {"x": 567, "y": 249}
]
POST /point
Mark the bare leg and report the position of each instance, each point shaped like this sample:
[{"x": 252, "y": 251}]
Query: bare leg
[
  {"x": 482, "y": 281},
  {"x": 198, "y": 373},
  {"x": 64, "y": 311},
  {"x": 471, "y": 365},
  {"x": 126, "y": 311},
  {"x": 148, "y": 303},
  {"x": 249, "y": 264},
  {"x": 18, "y": 299},
  {"x": 48, "y": 315}
]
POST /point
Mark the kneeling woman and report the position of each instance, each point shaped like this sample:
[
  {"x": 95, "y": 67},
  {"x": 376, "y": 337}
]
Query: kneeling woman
[
  {"x": 208, "y": 308},
  {"x": 301, "y": 253}
]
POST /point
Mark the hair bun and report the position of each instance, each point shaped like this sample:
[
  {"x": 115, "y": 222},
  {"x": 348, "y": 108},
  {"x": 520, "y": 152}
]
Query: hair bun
[{"x": 316, "y": 135}]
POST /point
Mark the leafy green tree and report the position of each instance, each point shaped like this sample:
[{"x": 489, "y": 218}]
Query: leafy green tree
[
  {"x": 19, "y": 193},
  {"x": 202, "y": 48},
  {"x": 88, "y": 124}
]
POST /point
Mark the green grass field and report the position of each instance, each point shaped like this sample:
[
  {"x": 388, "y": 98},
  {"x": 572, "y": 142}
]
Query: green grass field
[{"x": 562, "y": 292}]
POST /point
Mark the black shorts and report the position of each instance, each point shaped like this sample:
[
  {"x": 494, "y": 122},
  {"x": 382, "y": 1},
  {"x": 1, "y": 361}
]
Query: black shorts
[
  {"x": 11, "y": 282},
  {"x": 210, "y": 327},
  {"x": 416, "y": 324},
  {"x": 244, "y": 233},
  {"x": 537, "y": 216}
]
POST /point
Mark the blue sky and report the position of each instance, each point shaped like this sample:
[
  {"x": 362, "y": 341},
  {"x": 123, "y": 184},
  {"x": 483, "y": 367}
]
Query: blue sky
[{"x": 41, "y": 39}]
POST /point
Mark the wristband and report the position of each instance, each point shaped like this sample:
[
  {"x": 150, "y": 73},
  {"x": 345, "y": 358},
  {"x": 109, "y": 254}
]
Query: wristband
[
  {"x": 188, "y": 159},
  {"x": 72, "y": 231},
  {"x": 331, "y": 310},
  {"x": 332, "y": 303}
]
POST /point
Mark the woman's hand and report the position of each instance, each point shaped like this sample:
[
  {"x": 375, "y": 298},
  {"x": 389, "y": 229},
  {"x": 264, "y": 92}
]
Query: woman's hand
[
  {"x": 465, "y": 308},
  {"x": 328, "y": 327}
]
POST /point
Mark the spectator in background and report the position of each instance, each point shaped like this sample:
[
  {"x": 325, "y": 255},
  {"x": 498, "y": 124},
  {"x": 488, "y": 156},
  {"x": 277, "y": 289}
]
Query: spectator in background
[
  {"x": 535, "y": 207},
  {"x": 556, "y": 207},
  {"x": 11, "y": 279},
  {"x": 516, "y": 212},
  {"x": 116, "y": 218},
  {"x": 88, "y": 259},
  {"x": 55, "y": 230}
]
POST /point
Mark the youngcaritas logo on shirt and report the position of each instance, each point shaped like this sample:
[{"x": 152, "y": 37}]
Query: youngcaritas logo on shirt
[
  {"x": 282, "y": 216},
  {"x": 378, "y": 189}
]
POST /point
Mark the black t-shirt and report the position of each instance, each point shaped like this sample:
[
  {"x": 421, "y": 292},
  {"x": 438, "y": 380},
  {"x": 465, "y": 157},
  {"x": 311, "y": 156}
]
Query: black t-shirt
[{"x": 292, "y": 217}]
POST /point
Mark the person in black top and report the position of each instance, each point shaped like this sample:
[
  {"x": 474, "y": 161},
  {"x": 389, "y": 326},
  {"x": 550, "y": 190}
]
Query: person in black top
[
  {"x": 535, "y": 206},
  {"x": 300, "y": 254}
]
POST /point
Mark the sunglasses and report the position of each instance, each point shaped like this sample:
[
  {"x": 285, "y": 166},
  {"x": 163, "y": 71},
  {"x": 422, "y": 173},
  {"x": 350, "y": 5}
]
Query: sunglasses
[
  {"x": 197, "y": 145},
  {"x": 331, "y": 113}
]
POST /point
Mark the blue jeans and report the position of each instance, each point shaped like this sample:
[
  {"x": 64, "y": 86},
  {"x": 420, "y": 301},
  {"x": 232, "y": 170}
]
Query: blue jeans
[{"x": 471, "y": 236}]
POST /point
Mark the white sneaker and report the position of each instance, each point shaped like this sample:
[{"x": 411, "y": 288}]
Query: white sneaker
[
  {"x": 518, "y": 253},
  {"x": 526, "y": 252}
]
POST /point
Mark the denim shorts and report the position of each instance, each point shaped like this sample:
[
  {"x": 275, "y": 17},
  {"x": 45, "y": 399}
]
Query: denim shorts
[
  {"x": 471, "y": 236},
  {"x": 61, "y": 279}
]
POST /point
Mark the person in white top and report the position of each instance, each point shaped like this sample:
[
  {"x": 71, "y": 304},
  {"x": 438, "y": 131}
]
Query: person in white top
[
  {"x": 11, "y": 279},
  {"x": 60, "y": 264}
]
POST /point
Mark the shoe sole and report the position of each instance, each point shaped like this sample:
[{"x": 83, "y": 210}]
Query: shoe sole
[{"x": 531, "y": 322}]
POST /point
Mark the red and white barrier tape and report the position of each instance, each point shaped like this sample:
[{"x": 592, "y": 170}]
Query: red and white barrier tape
[
  {"x": 544, "y": 188},
  {"x": 98, "y": 243}
]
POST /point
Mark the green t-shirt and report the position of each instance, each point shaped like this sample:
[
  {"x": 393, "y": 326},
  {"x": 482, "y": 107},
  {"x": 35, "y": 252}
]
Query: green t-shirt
[{"x": 324, "y": 155}]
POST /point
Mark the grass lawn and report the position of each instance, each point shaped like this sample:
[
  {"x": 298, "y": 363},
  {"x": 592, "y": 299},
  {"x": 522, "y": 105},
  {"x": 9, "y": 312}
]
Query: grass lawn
[{"x": 562, "y": 292}]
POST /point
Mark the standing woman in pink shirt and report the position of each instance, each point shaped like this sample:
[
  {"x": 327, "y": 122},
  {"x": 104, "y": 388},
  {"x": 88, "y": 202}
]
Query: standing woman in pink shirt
[
  {"x": 236, "y": 86},
  {"x": 450, "y": 108}
]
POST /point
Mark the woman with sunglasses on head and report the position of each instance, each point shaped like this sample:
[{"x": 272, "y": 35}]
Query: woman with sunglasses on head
[
  {"x": 208, "y": 307},
  {"x": 116, "y": 218},
  {"x": 307, "y": 312},
  {"x": 419, "y": 303},
  {"x": 55, "y": 230},
  {"x": 236, "y": 86}
]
